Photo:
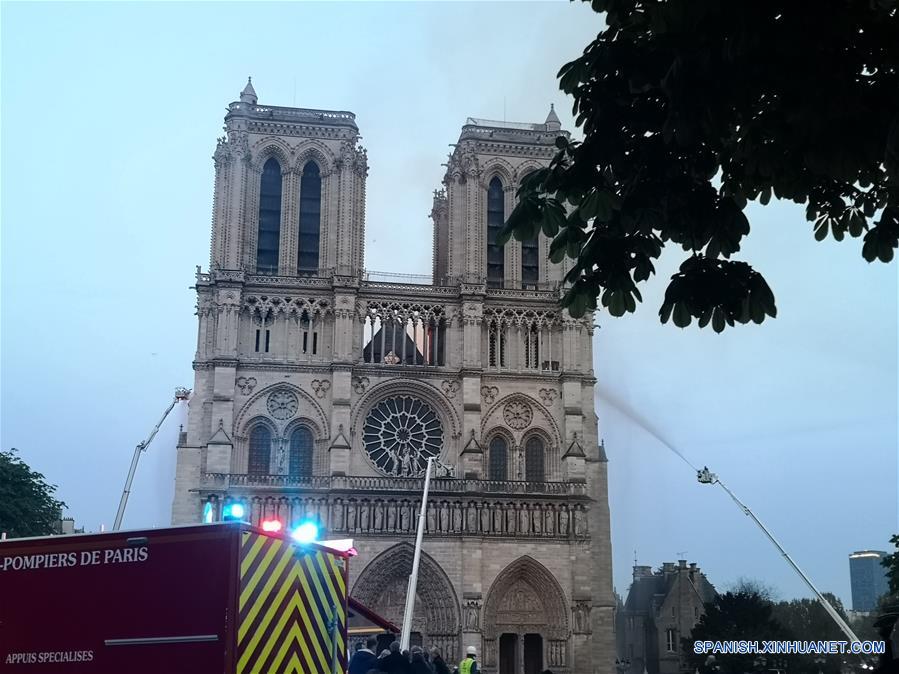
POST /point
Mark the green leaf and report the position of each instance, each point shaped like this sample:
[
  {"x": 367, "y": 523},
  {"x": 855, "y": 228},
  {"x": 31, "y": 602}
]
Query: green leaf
[
  {"x": 558, "y": 246},
  {"x": 590, "y": 205},
  {"x": 682, "y": 317},
  {"x": 616, "y": 304},
  {"x": 578, "y": 306},
  {"x": 718, "y": 320},
  {"x": 856, "y": 224},
  {"x": 665, "y": 311}
]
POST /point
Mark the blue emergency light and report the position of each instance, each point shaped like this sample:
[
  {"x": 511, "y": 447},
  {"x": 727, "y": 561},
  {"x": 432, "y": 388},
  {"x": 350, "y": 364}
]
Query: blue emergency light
[
  {"x": 307, "y": 531},
  {"x": 233, "y": 512}
]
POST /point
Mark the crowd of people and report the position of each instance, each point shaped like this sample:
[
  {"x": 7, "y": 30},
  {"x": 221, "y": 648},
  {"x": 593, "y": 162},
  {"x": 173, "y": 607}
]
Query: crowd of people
[{"x": 415, "y": 661}]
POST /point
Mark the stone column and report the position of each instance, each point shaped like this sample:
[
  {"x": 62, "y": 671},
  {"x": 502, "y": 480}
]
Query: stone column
[{"x": 290, "y": 187}]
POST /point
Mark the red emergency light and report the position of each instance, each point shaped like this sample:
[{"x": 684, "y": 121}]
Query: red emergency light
[{"x": 272, "y": 526}]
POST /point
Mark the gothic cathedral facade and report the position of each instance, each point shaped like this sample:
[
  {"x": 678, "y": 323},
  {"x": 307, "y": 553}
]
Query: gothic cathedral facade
[{"x": 320, "y": 392}]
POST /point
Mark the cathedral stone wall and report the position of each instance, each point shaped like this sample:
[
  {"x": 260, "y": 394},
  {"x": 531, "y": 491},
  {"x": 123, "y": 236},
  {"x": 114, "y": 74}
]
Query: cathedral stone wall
[{"x": 320, "y": 393}]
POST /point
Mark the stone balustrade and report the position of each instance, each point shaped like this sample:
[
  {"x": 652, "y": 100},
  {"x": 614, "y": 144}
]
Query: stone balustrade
[
  {"x": 440, "y": 485},
  {"x": 376, "y": 506}
]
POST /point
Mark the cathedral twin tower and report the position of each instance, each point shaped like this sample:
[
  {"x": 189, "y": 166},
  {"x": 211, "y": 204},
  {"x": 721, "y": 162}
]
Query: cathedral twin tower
[{"x": 320, "y": 393}]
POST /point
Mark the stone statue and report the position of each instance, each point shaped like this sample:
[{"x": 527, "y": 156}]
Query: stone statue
[
  {"x": 524, "y": 520},
  {"x": 337, "y": 516},
  {"x": 364, "y": 514},
  {"x": 404, "y": 516},
  {"x": 391, "y": 516},
  {"x": 444, "y": 517},
  {"x": 379, "y": 515},
  {"x": 432, "y": 519},
  {"x": 457, "y": 517},
  {"x": 471, "y": 514},
  {"x": 497, "y": 527},
  {"x": 351, "y": 516},
  {"x": 471, "y": 616},
  {"x": 580, "y": 521},
  {"x": 578, "y": 614},
  {"x": 511, "y": 516}
]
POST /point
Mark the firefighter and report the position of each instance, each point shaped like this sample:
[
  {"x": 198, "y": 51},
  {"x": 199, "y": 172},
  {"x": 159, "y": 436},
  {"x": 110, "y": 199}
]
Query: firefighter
[{"x": 469, "y": 665}]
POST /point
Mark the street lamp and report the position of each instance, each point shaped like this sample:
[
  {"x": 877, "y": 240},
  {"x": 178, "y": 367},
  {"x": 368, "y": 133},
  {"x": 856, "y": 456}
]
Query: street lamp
[{"x": 181, "y": 393}]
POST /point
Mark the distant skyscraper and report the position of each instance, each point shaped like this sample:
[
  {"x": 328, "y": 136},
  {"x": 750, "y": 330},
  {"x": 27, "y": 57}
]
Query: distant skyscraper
[{"x": 868, "y": 579}]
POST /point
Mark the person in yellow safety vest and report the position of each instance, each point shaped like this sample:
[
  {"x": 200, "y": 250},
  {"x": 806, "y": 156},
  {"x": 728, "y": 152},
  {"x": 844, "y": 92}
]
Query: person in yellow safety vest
[{"x": 469, "y": 665}]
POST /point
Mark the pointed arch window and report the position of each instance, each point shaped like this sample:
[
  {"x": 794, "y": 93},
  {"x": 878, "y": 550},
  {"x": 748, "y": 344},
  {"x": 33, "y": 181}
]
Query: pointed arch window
[
  {"x": 534, "y": 453},
  {"x": 260, "y": 450},
  {"x": 310, "y": 219},
  {"x": 269, "y": 235},
  {"x": 498, "y": 459},
  {"x": 301, "y": 452},
  {"x": 496, "y": 216},
  {"x": 530, "y": 263},
  {"x": 530, "y": 258}
]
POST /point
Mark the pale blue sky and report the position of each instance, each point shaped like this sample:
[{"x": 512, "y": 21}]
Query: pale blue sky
[{"x": 109, "y": 118}]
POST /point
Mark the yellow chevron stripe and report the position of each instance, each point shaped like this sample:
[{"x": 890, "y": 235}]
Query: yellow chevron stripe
[
  {"x": 325, "y": 574},
  {"x": 251, "y": 555},
  {"x": 322, "y": 626},
  {"x": 296, "y": 576},
  {"x": 338, "y": 596},
  {"x": 338, "y": 571},
  {"x": 294, "y": 632},
  {"x": 294, "y": 635},
  {"x": 262, "y": 598},
  {"x": 294, "y": 666},
  {"x": 266, "y": 619},
  {"x": 275, "y": 634},
  {"x": 261, "y": 570},
  {"x": 313, "y": 589},
  {"x": 308, "y": 582}
]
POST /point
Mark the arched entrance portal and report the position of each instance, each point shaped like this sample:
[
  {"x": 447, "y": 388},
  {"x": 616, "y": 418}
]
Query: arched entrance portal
[
  {"x": 382, "y": 587},
  {"x": 525, "y": 621}
]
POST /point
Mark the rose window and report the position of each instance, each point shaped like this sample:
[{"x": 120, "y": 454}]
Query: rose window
[
  {"x": 400, "y": 434},
  {"x": 518, "y": 415}
]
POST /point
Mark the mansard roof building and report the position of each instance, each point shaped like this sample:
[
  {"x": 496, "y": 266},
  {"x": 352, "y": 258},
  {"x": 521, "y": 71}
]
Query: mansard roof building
[
  {"x": 320, "y": 392},
  {"x": 661, "y": 610}
]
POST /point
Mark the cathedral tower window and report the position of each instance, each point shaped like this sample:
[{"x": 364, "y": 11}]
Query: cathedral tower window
[
  {"x": 534, "y": 453},
  {"x": 530, "y": 263},
  {"x": 495, "y": 219},
  {"x": 498, "y": 459},
  {"x": 310, "y": 219},
  {"x": 263, "y": 340},
  {"x": 496, "y": 346},
  {"x": 269, "y": 237},
  {"x": 260, "y": 450},
  {"x": 308, "y": 335},
  {"x": 300, "y": 464},
  {"x": 532, "y": 347}
]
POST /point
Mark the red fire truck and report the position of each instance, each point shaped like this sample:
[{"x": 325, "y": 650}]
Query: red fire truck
[{"x": 219, "y": 598}]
